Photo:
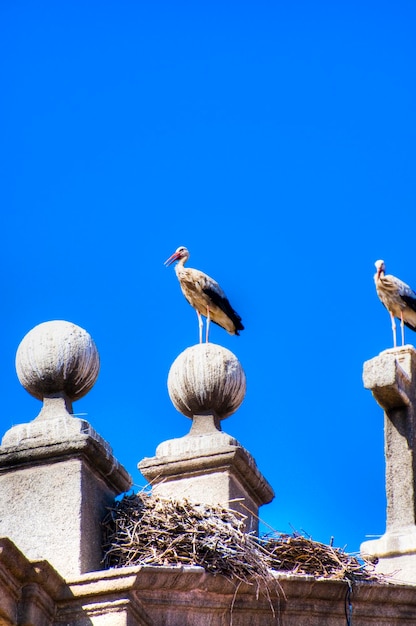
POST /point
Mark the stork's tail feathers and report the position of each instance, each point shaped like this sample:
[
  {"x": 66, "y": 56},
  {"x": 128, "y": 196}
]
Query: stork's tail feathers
[{"x": 238, "y": 326}]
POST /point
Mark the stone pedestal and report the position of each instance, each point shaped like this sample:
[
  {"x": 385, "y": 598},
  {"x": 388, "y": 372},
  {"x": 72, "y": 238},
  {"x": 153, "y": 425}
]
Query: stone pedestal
[
  {"x": 209, "y": 466},
  {"x": 57, "y": 475},
  {"x": 207, "y": 384},
  {"x": 392, "y": 378}
]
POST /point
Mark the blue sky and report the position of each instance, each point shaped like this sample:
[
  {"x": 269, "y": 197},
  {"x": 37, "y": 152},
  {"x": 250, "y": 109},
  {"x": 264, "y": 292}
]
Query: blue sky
[{"x": 276, "y": 140}]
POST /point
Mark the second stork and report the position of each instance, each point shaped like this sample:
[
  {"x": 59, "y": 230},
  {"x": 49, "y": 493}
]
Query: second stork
[{"x": 398, "y": 298}]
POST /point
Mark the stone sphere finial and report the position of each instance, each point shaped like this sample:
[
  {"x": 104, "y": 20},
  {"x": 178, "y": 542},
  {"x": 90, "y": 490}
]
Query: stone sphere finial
[
  {"x": 206, "y": 378},
  {"x": 57, "y": 358}
]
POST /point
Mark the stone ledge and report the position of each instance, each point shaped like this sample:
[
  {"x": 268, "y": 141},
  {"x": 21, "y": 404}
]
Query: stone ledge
[
  {"x": 147, "y": 595},
  {"x": 392, "y": 543},
  {"x": 396, "y": 552},
  {"x": 47, "y": 441},
  {"x": 189, "y": 596},
  {"x": 196, "y": 443},
  {"x": 228, "y": 458}
]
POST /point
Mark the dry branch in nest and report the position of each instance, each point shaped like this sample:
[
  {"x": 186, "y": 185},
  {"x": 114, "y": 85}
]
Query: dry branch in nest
[
  {"x": 298, "y": 554},
  {"x": 147, "y": 530}
]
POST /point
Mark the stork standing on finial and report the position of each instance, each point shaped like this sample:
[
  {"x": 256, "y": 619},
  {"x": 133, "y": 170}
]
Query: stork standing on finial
[
  {"x": 398, "y": 298},
  {"x": 205, "y": 295}
]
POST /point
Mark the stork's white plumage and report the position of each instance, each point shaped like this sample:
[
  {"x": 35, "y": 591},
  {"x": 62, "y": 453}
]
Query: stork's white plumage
[
  {"x": 205, "y": 295},
  {"x": 398, "y": 298}
]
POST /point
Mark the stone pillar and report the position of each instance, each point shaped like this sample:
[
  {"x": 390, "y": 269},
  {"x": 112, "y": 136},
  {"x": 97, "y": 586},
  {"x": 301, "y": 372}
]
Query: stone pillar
[
  {"x": 57, "y": 475},
  {"x": 207, "y": 384},
  {"x": 392, "y": 378}
]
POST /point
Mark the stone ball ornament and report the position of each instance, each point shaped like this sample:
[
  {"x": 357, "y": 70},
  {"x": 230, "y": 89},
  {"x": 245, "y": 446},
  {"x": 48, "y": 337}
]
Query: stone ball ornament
[
  {"x": 55, "y": 358},
  {"x": 206, "y": 378}
]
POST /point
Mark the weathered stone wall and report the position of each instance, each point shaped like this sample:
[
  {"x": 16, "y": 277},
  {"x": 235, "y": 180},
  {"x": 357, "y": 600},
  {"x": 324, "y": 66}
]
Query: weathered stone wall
[
  {"x": 189, "y": 596},
  {"x": 33, "y": 594}
]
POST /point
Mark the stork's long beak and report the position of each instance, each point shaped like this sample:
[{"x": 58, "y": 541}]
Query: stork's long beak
[{"x": 175, "y": 256}]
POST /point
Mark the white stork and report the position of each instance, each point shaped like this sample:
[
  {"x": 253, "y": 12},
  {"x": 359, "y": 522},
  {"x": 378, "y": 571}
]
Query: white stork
[
  {"x": 205, "y": 295},
  {"x": 398, "y": 298}
]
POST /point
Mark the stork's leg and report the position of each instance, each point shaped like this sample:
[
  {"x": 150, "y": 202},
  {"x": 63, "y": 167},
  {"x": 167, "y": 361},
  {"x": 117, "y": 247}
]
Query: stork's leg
[
  {"x": 402, "y": 326},
  {"x": 200, "y": 326},
  {"x": 393, "y": 326},
  {"x": 208, "y": 321}
]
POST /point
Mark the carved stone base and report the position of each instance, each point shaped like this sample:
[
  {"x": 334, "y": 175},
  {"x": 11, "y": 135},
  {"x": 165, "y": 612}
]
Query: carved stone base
[
  {"x": 57, "y": 476},
  {"x": 210, "y": 467},
  {"x": 396, "y": 553}
]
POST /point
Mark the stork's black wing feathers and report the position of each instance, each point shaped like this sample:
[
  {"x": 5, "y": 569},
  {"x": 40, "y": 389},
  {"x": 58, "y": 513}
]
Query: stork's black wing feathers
[
  {"x": 410, "y": 299},
  {"x": 225, "y": 306}
]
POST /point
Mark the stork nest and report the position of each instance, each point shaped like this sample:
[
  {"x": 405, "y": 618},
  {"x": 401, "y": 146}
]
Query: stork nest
[{"x": 143, "y": 529}]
